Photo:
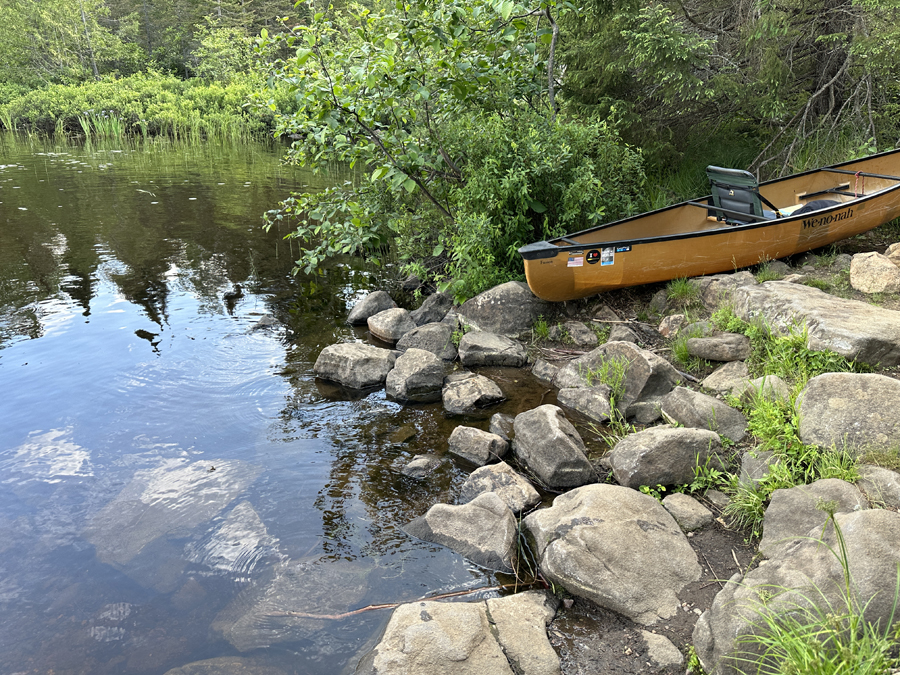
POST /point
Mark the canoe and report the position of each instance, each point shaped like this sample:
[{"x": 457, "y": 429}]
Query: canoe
[{"x": 729, "y": 229}]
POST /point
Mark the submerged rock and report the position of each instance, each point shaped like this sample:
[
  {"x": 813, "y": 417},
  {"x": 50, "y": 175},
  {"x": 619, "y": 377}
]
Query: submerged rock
[{"x": 238, "y": 545}]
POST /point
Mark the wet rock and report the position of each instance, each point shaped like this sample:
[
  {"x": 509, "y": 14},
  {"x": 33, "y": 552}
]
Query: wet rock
[
  {"x": 476, "y": 446},
  {"x": 574, "y": 332},
  {"x": 593, "y": 403},
  {"x": 509, "y": 309},
  {"x": 755, "y": 466},
  {"x": 265, "y": 321},
  {"x": 853, "y": 329},
  {"x": 432, "y": 310},
  {"x": 417, "y": 377},
  {"x": 699, "y": 411},
  {"x": 727, "y": 378},
  {"x": 355, "y": 365},
  {"x": 599, "y": 541},
  {"x": 814, "y": 575},
  {"x": 544, "y": 370},
  {"x": 662, "y": 652},
  {"x": 284, "y": 604},
  {"x": 422, "y": 466},
  {"x": 372, "y": 304},
  {"x": 436, "y": 338},
  {"x": 521, "y": 622},
  {"x": 874, "y": 273},
  {"x": 769, "y": 387},
  {"x": 671, "y": 324},
  {"x": 238, "y": 545},
  {"x": 547, "y": 443},
  {"x": 690, "y": 514},
  {"x": 483, "y": 531},
  {"x": 852, "y": 409},
  {"x": 515, "y": 491},
  {"x": 881, "y": 486},
  {"x": 479, "y": 348},
  {"x": 391, "y": 324},
  {"x": 793, "y": 512},
  {"x": 226, "y": 665},
  {"x": 467, "y": 393},
  {"x": 722, "y": 347},
  {"x": 662, "y": 456},
  {"x": 502, "y": 425}
]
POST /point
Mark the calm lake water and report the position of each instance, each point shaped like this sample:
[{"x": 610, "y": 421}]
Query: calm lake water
[{"x": 174, "y": 483}]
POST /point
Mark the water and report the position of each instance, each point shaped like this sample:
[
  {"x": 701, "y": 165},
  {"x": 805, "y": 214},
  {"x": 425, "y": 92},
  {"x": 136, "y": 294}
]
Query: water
[{"x": 174, "y": 483}]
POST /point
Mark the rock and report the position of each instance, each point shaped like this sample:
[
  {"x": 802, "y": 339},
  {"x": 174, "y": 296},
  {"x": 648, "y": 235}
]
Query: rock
[
  {"x": 719, "y": 288},
  {"x": 644, "y": 412},
  {"x": 852, "y": 409},
  {"x": 580, "y": 335},
  {"x": 593, "y": 403},
  {"x": 437, "y": 638},
  {"x": 671, "y": 324},
  {"x": 794, "y": 511},
  {"x": 622, "y": 333},
  {"x": 502, "y": 425},
  {"x": 476, "y": 446},
  {"x": 600, "y": 541},
  {"x": 795, "y": 278},
  {"x": 515, "y": 491},
  {"x": 874, "y": 273},
  {"x": 412, "y": 283},
  {"x": 467, "y": 393},
  {"x": 881, "y": 486},
  {"x": 265, "y": 321},
  {"x": 892, "y": 253},
  {"x": 662, "y": 456},
  {"x": 433, "y": 310},
  {"x": 544, "y": 370},
  {"x": 391, "y": 324},
  {"x": 727, "y": 378},
  {"x": 661, "y": 651},
  {"x": 226, "y": 665},
  {"x": 842, "y": 261},
  {"x": 718, "y": 499},
  {"x": 659, "y": 302},
  {"x": 814, "y": 574},
  {"x": 484, "y": 531},
  {"x": 355, "y": 365},
  {"x": 547, "y": 443},
  {"x": 755, "y": 466},
  {"x": 479, "y": 348},
  {"x": 436, "y": 338},
  {"x": 402, "y": 434},
  {"x": 240, "y": 544},
  {"x": 509, "y": 309},
  {"x": 372, "y": 304},
  {"x": 777, "y": 267},
  {"x": 721, "y": 347},
  {"x": 693, "y": 409},
  {"x": 417, "y": 377},
  {"x": 289, "y": 591},
  {"x": 521, "y": 622},
  {"x": 606, "y": 315},
  {"x": 422, "y": 466},
  {"x": 690, "y": 514},
  {"x": 770, "y": 387},
  {"x": 853, "y": 329}
]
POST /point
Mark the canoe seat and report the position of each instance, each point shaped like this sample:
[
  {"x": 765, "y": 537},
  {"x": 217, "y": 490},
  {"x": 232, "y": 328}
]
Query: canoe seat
[{"x": 737, "y": 192}]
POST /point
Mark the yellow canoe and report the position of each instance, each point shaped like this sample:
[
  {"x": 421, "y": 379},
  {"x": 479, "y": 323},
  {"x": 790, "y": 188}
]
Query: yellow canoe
[{"x": 727, "y": 230}]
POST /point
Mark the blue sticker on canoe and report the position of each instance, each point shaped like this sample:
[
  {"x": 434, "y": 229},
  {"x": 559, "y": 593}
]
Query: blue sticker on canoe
[{"x": 623, "y": 249}]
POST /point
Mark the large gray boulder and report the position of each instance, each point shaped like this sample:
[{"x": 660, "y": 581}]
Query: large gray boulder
[
  {"x": 509, "y": 309},
  {"x": 809, "y": 573},
  {"x": 700, "y": 411},
  {"x": 480, "y": 348},
  {"x": 873, "y": 272},
  {"x": 792, "y": 512},
  {"x": 436, "y": 338},
  {"x": 662, "y": 456},
  {"x": 859, "y": 410},
  {"x": 501, "y": 479},
  {"x": 616, "y": 547},
  {"x": 468, "y": 393},
  {"x": 374, "y": 302},
  {"x": 432, "y": 310},
  {"x": 548, "y": 444},
  {"x": 476, "y": 446},
  {"x": 484, "y": 531},
  {"x": 417, "y": 377},
  {"x": 391, "y": 324},
  {"x": 853, "y": 329},
  {"x": 355, "y": 365}
]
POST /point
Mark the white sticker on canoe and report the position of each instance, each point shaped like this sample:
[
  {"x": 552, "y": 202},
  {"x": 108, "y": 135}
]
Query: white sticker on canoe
[
  {"x": 576, "y": 261},
  {"x": 607, "y": 256}
]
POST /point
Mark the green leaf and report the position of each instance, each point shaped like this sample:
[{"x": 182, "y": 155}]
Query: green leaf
[
  {"x": 506, "y": 9},
  {"x": 537, "y": 206},
  {"x": 438, "y": 250},
  {"x": 409, "y": 185}
]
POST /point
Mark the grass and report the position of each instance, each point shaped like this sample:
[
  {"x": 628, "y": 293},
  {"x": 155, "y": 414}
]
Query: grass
[
  {"x": 888, "y": 458},
  {"x": 540, "y": 330},
  {"x": 683, "y": 293},
  {"x": 612, "y": 373},
  {"x": 765, "y": 273},
  {"x": 680, "y": 350}
]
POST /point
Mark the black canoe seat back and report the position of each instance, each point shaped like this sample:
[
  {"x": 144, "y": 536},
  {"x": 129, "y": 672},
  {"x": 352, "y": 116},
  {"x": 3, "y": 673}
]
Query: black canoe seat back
[{"x": 737, "y": 193}]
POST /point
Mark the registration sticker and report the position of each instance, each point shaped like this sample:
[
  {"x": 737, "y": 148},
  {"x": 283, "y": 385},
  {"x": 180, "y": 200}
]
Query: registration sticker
[
  {"x": 607, "y": 256},
  {"x": 576, "y": 261}
]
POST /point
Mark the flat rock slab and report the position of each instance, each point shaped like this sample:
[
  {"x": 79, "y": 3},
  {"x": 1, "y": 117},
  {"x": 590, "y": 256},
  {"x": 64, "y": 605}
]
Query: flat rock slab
[
  {"x": 551, "y": 448},
  {"x": 509, "y": 309},
  {"x": 417, "y": 377},
  {"x": 795, "y": 511},
  {"x": 355, "y": 365},
  {"x": 483, "y": 531},
  {"x": 662, "y": 455},
  {"x": 436, "y": 338},
  {"x": 852, "y": 409},
  {"x": 480, "y": 348},
  {"x": 374, "y": 302},
  {"x": 699, "y": 411},
  {"x": 727, "y": 378},
  {"x": 391, "y": 324},
  {"x": 501, "y": 479},
  {"x": 476, "y": 446},
  {"x": 853, "y": 329},
  {"x": 467, "y": 393},
  {"x": 616, "y": 547}
]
